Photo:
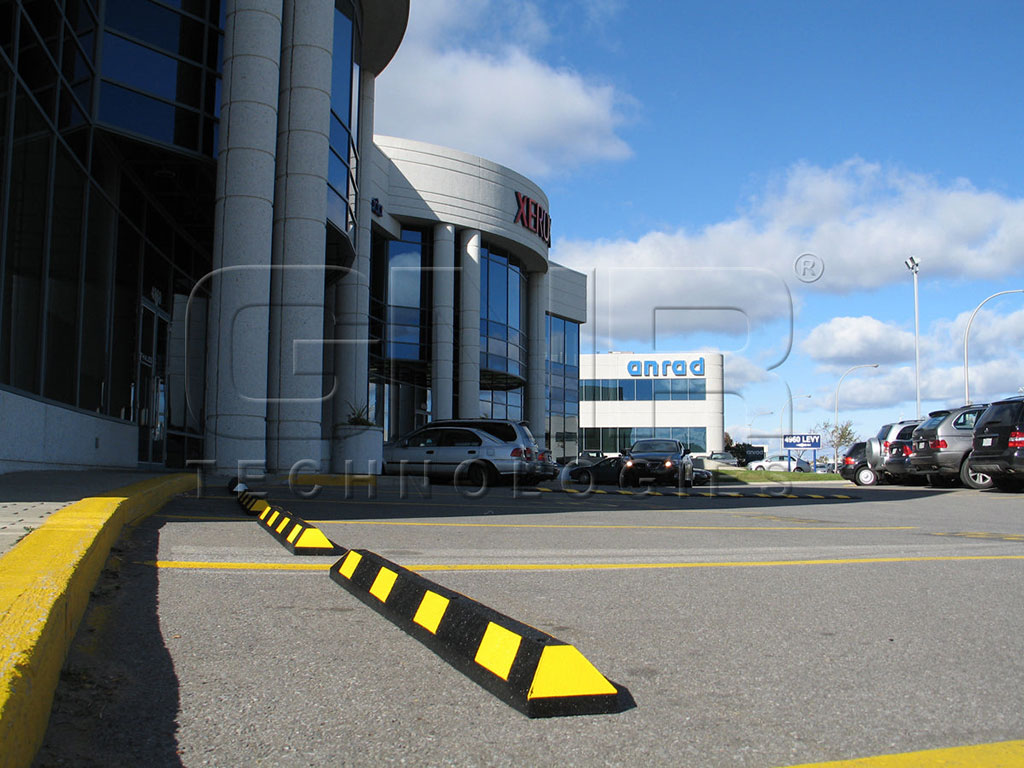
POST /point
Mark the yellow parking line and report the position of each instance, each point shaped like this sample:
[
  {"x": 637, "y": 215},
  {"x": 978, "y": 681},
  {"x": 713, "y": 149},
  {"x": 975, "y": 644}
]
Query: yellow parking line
[
  {"x": 219, "y": 565},
  {"x": 1003, "y": 753}
]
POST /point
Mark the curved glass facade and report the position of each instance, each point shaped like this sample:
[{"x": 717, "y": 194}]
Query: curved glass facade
[
  {"x": 344, "y": 130},
  {"x": 562, "y": 389},
  {"x": 502, "y": 320},
  {"x": 159, "y": 70}
]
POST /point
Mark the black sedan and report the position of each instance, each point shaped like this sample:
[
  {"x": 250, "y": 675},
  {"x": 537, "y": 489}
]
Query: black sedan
[{"x": 609, "y": 471}]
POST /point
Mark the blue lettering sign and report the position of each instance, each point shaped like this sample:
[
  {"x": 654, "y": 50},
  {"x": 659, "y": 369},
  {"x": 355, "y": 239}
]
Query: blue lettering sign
[{"x": 650, "y": 368}]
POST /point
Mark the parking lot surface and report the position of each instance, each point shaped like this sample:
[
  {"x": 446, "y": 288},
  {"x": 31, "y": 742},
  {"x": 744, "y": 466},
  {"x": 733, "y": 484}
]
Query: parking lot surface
[{"x": 750, "y": 630}]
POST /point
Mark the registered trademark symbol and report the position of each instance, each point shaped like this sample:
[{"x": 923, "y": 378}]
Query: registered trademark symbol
[{"x": 808, "y": 268}]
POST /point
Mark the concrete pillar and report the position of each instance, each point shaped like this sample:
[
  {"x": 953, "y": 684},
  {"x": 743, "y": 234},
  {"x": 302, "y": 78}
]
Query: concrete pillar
[
  {"x": 352, "y": 297},
  {"x": 536, "y": 376},
  {"x": 236, "y": 395},
  {"x": 469, "y": 322},
  {"x": 295, "y": 375},
  {"x": 442, "y": 375}
]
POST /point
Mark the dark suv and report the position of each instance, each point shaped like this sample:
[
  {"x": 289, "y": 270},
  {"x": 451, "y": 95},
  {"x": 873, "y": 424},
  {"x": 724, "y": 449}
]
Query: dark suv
[
  {"x": 999, "y": 444},
  {"x": 942, "y": 444}
]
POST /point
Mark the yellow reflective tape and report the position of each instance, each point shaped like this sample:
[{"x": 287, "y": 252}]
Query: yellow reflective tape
[
  {"x": 284, "y": 524},
  {"x": 348, "y": 567},
  {"x": 564, "y": 671},
  {"x": 294, "y": 533},
  {"x": 313, "y": 538},
  {"x": 431, "y": 611},
  {"x": 266, "y": 513},
  {"x": 383, "y": 583},
  {"x": 498, "y": 650},
  {"x": 546, "y": 490},
  {"x": 270, "y": 520},
  {"x": 570, "y": 490},
  {"x": 598, "y": 490}
]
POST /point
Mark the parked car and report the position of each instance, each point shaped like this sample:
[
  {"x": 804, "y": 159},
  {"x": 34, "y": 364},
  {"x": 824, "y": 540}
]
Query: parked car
[
  {"x": 998, "y": 444},
  {"x": 717, "y": 459},
  {"x": 779, "y": 462},
  {"x": 481, "y": 451},
  {"x": 885, "y": 465},
  {"x": 586, "y": 458},
  {"x": 608, "y": 471},
  {"x": 942, "y": 444},
  {"x": 657, "y": 460},
  {"x": 549, "y": 468},
  {"x": 854, "y": 466},
  {"x": 897, "y": 465}
]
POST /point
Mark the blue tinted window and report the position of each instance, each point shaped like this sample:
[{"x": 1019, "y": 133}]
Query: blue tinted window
[
  {"x": 627, "y": 388},
  {"x": 679, "y": 389},
  {"x": 497, "y": 292},
  {"x": 644, "y": 389},
  {"x": 341, "y": 64},
  {"x": 404, "y": 272},
  {"x": 557, "y": 340},
  {"x": 147, "y": 70},
  {"x": 698, "y": 389},
  {"x": 514, "y": 286},
  {"x": 572, "y": 343},
  {"x": 137, "y": 113},
  {"x": 662, "y": 391},
  {"x": 158, "y": 26}
]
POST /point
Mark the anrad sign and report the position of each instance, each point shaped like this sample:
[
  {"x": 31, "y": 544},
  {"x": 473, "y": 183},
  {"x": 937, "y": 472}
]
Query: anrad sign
[
  {"x": 532, "y": 216},
  {"x": 677, "y": 367}
]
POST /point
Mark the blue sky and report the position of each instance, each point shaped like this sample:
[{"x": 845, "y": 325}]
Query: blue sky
[{"x": 708, "y": 145}]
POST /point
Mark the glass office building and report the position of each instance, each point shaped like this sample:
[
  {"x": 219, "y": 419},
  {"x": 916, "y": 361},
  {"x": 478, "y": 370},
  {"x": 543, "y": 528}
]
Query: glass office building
[{"x": 206, "y": 255}]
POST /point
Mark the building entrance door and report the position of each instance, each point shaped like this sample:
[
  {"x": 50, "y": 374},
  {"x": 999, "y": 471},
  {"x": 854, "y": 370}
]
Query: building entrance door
[{"x": 151, "y": 394}]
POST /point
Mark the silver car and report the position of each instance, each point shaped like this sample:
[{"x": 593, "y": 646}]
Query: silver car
[
  {"x": 478, "y": 452},
  {"x": 779, "y": 462}
]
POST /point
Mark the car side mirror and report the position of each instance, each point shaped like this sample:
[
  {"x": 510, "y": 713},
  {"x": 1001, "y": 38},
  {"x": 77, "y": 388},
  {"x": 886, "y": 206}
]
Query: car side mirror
[{"x": 687, "y": 452}]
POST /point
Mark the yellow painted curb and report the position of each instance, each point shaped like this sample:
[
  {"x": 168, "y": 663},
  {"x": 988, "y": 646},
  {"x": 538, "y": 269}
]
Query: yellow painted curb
[
  {"x": 1003, "y": 754},
  {"x": 45, "y": 582}
]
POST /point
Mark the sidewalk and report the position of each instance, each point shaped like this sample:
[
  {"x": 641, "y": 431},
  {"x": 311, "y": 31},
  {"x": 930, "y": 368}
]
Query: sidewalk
[{"x": 27, "y": 499}]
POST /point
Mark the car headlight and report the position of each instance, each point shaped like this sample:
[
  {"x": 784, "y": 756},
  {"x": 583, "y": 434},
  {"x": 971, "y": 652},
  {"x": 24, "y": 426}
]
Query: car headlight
[
  {"x": 629, "y": 462},
  {"x": 668, "y": 464}
]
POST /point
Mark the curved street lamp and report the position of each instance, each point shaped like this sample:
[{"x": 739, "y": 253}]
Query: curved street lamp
[
  {"x": 835, "y": 424},
  {"x": 967, "y": 332}
]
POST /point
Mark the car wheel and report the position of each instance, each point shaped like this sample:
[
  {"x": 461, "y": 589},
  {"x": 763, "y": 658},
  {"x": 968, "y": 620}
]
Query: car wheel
[
  {"x": 972, "y": 479},
  {"x": 585, "y": 477},
  {"x": 865, "y": 476},
  {"x": 798, "y": 469},
  {"x": 480, "y": 475},
  {"x": 759, "y": 469}
]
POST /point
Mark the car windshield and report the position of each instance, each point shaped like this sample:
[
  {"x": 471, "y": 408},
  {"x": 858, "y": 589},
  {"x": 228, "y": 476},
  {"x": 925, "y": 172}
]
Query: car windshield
[
  {"x": 883, "y": 432},
  {"x": 933, "y": 422},
  {"x": 655, "y": 446}
]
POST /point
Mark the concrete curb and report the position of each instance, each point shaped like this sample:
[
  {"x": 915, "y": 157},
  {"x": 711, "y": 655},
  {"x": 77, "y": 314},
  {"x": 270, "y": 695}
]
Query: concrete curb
[{"x": 45, "y": 583}]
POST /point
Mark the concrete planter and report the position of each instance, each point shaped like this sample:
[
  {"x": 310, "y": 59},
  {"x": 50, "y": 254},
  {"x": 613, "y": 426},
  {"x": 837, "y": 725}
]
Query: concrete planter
[{"x": 357, "y": 450}]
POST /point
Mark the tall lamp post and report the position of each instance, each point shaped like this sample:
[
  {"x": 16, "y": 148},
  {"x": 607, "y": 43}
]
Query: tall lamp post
[
  {"x": 751, "y": 422},
  {"x": 967, "y": 332},
  {"x": 835, "y": 424},
  {"x": 914, "y": 266}
]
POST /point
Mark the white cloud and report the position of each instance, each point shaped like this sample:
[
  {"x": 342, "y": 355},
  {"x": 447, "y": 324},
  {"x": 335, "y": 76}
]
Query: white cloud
[
  {"x": 857, "y": 339},
  {"x": 493, "y": 96}
]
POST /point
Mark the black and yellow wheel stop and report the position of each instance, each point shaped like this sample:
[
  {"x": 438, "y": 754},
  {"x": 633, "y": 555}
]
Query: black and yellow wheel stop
[
  {"x": 294, "y": 533},
  {"x": 528, "y": 669}
]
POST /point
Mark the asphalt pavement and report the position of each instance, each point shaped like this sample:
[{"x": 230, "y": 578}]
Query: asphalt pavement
[{"x": 751, "y": 627}]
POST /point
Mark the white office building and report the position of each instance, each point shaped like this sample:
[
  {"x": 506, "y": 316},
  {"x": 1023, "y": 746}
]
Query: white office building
[{"x": 625, "y": 397}]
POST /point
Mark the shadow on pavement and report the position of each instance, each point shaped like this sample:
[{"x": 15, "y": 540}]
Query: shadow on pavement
[{"x": 117, "y": 701}]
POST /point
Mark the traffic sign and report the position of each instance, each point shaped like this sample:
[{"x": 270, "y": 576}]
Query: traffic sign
[{"x": 801, "y": 442}]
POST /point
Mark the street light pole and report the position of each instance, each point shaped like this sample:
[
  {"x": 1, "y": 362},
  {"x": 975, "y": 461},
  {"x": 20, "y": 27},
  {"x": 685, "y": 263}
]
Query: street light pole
[
  {"x": 914, "y": 266},
  {"x": 835, "y": 424},
  {"x": 967, "y": 332}
]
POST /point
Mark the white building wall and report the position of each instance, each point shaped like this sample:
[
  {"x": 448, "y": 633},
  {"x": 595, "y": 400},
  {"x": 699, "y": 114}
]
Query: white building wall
[
  {"x": 567, "y": 292},
  {"x": 708, "y": 413},
  {"x": 39, "y": 435}
]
